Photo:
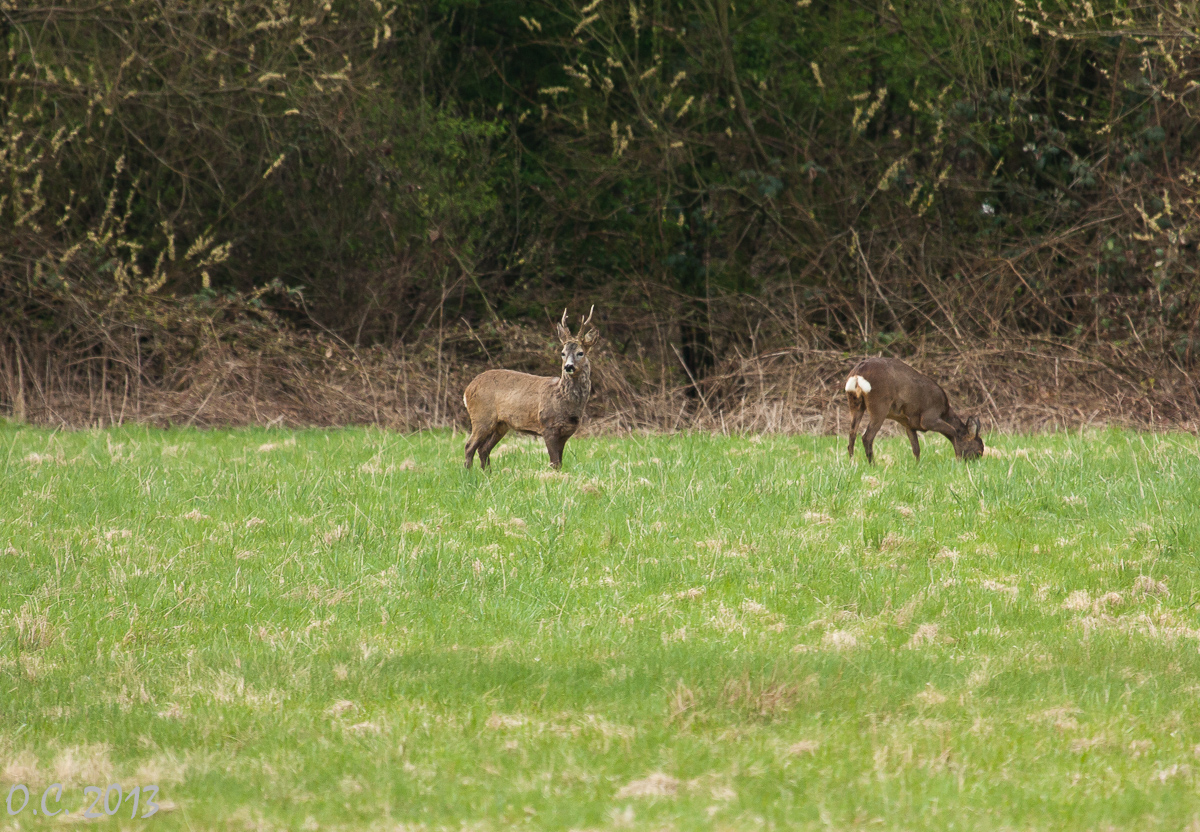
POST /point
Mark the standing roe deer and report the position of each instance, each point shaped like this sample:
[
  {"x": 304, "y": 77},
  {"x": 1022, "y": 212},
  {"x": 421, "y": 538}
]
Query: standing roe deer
[
  {"x": 890, "y": 389},
  {"x": 502, "y": 400}
]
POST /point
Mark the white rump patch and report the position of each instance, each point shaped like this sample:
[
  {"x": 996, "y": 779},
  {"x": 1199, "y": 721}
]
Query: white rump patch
[
  {"x": 858, "y": 384},
  {"x": 465, "y": 400}
]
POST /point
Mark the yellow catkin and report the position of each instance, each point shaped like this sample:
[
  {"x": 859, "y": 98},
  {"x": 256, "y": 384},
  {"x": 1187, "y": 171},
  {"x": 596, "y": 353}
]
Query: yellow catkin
[
  {"x": 885, "y": 183},
  {"x": 592, "y": 18},
  {"x": 274, "y": 165}
]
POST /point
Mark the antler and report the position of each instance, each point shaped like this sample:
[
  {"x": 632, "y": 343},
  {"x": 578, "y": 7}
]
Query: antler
[
  {"x": 588, "y": 318},
  {"x": 582, "y": 325}
]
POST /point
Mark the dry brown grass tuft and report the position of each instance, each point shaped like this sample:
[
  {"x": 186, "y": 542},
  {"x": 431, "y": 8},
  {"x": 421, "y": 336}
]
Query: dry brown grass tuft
[
  {"x": 840, "y": 640},
  {"x": 21, "y": 768},
  {"x": 1078, "y": 600},
  {"x": 762, "y": 699},
  {"x": 1081, "y": 744},
  {"x": 656, "y": 785},
  {"x": 1145, "y": 586},
  {"x": 951, "y": 555},
  {"x": 1005, "y": 589},
  {"x": 930, "y": 697},
  {"x": 340, "y": 707},
  {"x": 83, "y": 765},
  {"x": 1061, "y": 719},
  {"x": 681, "y": 705},
  {"x": 164, "y": 767},
  {"x": 364, "y": 728},
  {"x": 499, "y": 722},
  {"x": 925, "y": 634},
  {"x": 1140, "y": 748},
  {"x": 335, "y": 534},
  {"x": 33, "y": 629},
  {"x": 267, "y": 447}
]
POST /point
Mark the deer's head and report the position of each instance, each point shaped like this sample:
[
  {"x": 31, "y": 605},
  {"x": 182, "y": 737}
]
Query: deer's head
[
  {"x": 967, "y": 444},
  {"x": 575, "y": 347}
]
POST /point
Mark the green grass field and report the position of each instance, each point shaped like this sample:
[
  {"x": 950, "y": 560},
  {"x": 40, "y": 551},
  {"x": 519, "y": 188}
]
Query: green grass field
[{"x": 343, "y": 628}]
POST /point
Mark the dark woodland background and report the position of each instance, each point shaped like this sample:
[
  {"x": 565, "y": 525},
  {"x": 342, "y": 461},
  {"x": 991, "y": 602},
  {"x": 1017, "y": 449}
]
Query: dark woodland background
[{"x": 311, "y": 212}]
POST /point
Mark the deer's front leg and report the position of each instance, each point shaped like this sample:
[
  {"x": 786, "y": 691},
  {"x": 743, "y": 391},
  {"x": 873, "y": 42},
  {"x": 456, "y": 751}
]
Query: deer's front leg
[
  {"x": 916, "y": 444},
  {"x": 940, "y": 425},
  {"x": 554, "y": 446}
]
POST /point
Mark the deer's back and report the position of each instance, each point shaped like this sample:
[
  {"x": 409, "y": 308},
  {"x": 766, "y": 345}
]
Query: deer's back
[{"x": 899, "y": 382}]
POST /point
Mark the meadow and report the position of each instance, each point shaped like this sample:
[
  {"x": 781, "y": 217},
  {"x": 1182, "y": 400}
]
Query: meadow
[{"x": 345, "y": 629}]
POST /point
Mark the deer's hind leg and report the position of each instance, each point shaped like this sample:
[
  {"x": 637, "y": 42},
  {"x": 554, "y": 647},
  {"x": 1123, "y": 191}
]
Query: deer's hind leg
[
  {"x": 474, "y": 441},
  {"x": 877, "y": 412},
  {"x": 485, "y": 451},
  {"x": 857, "y": 408}
]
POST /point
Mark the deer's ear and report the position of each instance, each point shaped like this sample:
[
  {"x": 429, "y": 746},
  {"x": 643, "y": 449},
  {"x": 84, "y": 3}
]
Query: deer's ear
[
  {"x": 564, "y": 334},
  {"x": 591, "y": 337},
  {"x": 973, "y": 425}
]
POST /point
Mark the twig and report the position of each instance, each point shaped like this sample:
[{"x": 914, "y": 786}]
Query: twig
[{"x": 695, "y": 386}]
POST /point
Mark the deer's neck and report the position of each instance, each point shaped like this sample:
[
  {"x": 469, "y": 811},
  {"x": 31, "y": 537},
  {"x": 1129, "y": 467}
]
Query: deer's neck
[{"x": 575, "y": 389}]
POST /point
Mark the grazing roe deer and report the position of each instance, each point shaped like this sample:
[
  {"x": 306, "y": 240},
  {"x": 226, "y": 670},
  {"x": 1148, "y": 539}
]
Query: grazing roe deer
[
  {"x": 887, "y": 388},
  {"x": 502, "y": 400}
]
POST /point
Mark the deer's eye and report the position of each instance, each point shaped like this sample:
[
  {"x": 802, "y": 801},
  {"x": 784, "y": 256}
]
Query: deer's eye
[{"x": 579, "y": 354}]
